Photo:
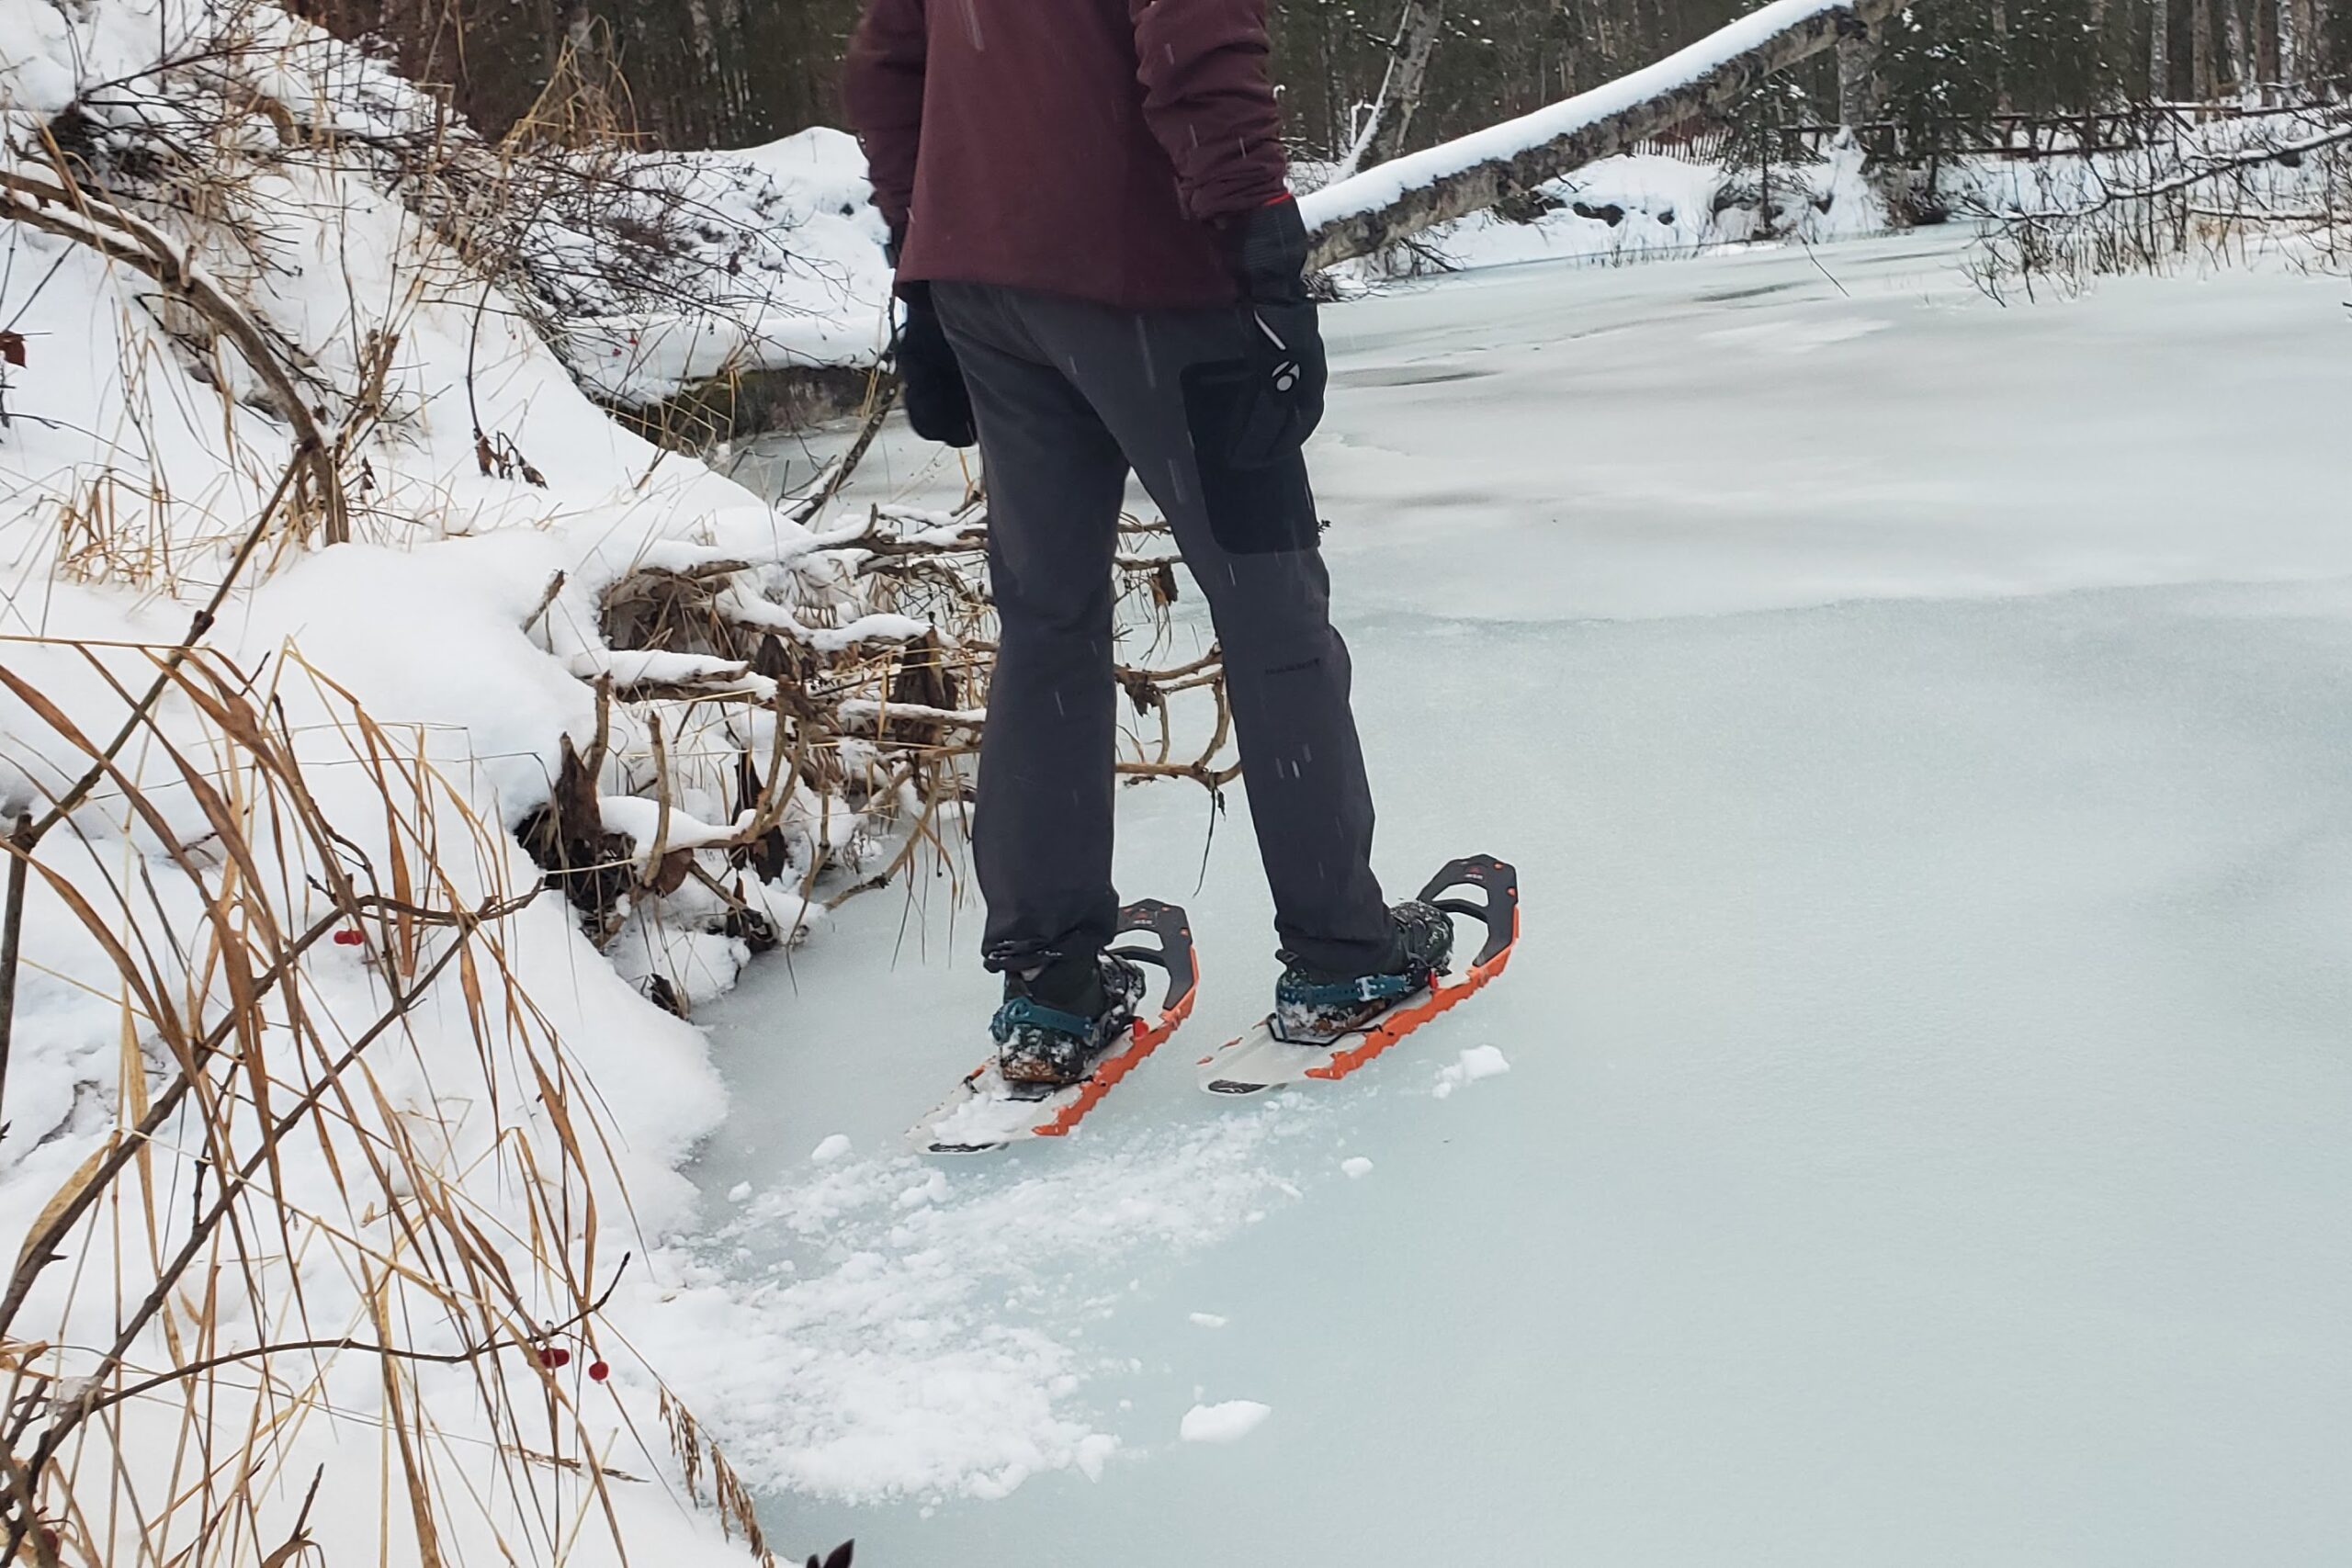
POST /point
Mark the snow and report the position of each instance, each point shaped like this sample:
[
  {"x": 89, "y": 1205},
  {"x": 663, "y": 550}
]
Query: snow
[
  {"x": 833, "y": 1148},
  {"x": 1920, "y": 728},
  {"x": 790, "y": 271},
  {"x": 1652, "y": 207},
  {"x": 1356, "y": 1166},
  {"x": 1206, "y": 1320},
  {"x": 1478, "y": 1061},
  {"x": 1227, "y": 1422}
]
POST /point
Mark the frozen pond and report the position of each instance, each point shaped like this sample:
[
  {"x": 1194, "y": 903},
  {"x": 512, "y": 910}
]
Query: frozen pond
[{"x": 1924, "y": 732}]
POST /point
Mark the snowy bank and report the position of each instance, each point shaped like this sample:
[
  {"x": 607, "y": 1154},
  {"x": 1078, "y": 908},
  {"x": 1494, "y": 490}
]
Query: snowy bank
[
  {"x": 364, "y": 1154},
  {"x": 779, "y": 268}
]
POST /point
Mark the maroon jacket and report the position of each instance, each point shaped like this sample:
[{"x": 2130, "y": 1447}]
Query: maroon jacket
[{"x": 1077, "y": 146}]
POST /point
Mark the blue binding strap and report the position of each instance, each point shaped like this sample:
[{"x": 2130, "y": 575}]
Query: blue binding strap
[
  {"x": 1029, "y": 1011},
  {"x": 1337, "y": 993}
]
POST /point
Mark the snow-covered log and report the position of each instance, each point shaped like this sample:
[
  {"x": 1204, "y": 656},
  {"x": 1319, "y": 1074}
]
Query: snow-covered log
[{"x": 1369, "y": 211}]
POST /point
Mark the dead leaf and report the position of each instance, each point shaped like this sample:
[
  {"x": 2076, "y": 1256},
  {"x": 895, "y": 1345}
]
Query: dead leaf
[
  {"x": 16, "y": 1354},
  {"x": 671, "y": 874},
  {"x": 12, "y": 348},
  {"x": 83, "y": 1174}
]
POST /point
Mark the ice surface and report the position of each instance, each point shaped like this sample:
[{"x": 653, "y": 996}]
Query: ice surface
[{"x": 1923, "y": 733}]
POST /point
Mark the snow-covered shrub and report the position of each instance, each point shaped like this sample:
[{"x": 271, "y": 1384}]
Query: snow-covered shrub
[{"x": 2276, "y": 186}]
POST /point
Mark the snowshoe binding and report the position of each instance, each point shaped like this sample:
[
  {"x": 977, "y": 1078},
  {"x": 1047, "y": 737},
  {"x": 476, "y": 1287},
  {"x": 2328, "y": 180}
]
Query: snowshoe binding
[
  {"x": 1054, "y": 1023},
  {"x": 1064, "y": 1039},
  {"x": 1315, "y": 1009}
]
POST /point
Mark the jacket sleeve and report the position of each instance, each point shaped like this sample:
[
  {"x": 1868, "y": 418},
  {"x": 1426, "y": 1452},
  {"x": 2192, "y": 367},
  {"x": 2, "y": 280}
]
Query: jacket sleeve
[
  {"x": 882, "y": 92},
  {"x": 1209, "y": 100}
]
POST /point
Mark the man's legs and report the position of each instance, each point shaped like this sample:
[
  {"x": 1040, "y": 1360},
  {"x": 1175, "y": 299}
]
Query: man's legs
[
  {"x": 1041, "y": 832},
  {"x": 1286, "y": 667}
]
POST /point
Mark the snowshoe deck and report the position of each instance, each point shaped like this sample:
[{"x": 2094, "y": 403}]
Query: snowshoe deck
[
  {"x": 986, "y": 1112},
  {"x": 1258, "y": 1061}
]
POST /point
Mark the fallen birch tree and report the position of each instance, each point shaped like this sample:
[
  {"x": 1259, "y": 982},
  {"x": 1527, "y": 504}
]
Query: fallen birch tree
[{"x": 1371, "y": 211}]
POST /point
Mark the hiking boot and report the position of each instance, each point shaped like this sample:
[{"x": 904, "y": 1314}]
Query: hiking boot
[
  {"x": 1057, "y": 1020},
  {"x": 1312, "y": 1008}
]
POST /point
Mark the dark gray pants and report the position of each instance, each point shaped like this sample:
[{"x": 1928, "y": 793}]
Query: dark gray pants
[{"x": 1070, "y": 396}]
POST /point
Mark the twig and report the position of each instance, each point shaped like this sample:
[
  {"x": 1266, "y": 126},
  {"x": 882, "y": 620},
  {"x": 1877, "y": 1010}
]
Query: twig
[
  {"x": 886, "y": 397},
  {"x": 121, "y": 236},
  {"x": 89, "y": 1407},
  {"x": 12, "y": 932}
]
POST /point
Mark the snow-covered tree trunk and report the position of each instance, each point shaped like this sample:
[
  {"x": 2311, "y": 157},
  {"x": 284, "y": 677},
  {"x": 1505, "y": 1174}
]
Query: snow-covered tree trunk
[
  {"x": 1368, "y": 213},
  {"x": 1391, "y": 121}
]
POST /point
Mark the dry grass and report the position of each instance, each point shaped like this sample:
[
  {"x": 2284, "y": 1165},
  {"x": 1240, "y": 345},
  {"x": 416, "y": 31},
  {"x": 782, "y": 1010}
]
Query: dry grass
[{"x": 298, "y": 1178}]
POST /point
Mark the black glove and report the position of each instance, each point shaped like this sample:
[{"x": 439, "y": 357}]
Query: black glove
[
  {"x": 1267, "y": 248},
  {"x": 931, "y": 382}
]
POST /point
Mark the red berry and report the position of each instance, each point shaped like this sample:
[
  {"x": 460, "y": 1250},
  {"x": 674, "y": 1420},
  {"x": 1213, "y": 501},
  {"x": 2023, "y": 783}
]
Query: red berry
[
  {"x": 598, "y": 1371},
  {"x": 349, "y": 937},
  {"x": 555, "y": 1356}
]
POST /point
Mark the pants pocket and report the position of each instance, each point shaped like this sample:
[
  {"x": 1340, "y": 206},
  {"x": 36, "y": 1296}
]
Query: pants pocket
[{"x": 1261, "y": 508}]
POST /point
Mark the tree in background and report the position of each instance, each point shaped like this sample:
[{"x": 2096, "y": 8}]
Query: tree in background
[
  {"x": 691, "y": 74},
  {"x": 2058, "y": 61},
  {"x": 694, "y": 75},
  {"x": 1759, "y": 157},
  {"x": 1388, "y": 121},
  {"x": 1940, "y": 86}
]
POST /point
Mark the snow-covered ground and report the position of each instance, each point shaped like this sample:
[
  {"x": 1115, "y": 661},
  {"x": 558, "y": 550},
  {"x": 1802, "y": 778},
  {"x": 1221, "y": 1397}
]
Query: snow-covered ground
[{"x": 1923, "y": 731}]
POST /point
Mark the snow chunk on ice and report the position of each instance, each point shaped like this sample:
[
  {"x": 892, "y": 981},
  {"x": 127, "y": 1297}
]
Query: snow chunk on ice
[
  {"x": 1478, "y": 1061},
  {"x": 739, "y": 1192},
  {"x": 1227, "y": 1422},
  {"x": 831, "y": 1148},
  {"x": 1355, "y": 1166},
  {"x": 1208, "y": 1320}
]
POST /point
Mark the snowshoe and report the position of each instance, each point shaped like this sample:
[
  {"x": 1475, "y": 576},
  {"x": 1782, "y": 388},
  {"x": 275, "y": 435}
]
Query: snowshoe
[
  {"x": 992, "y": 1109},
  {"x": 1319, "y": 1033}
]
